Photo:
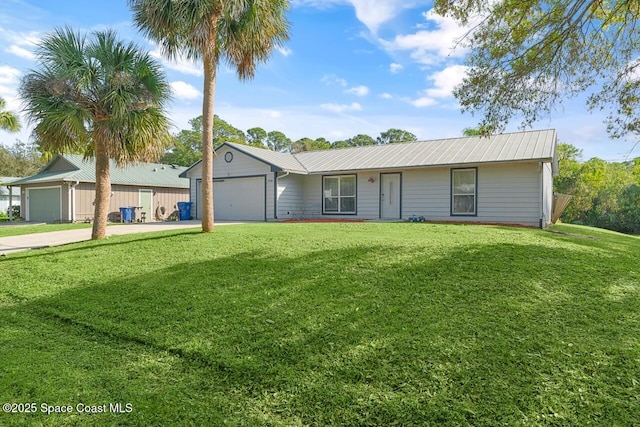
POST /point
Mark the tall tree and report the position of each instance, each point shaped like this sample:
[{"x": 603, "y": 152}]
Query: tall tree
[
  {"x": 528, "y": 57},
  {"x": 100, "y": 96},
  {"x": 186, "y": 147},
  {"x": 278, "y": 141},
  {"x": 242, "y": 32},
  {"x": 361, "y": 140},
  {"x": 225, "y": 132},
  {"x": 308, "y": 144},
  {"x": 8, "y": 120},
  {"x": 395, "y": 136},
  {"x": 19, "y": 159},
  {"x": 257, "y": 137}
]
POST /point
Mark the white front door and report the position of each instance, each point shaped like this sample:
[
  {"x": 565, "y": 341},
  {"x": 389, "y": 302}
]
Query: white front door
[{"x": 390, "y": 195}]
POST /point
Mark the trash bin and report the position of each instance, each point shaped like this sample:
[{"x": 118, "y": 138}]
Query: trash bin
[
  {"x": 127, "y": 213},
  {"x": 184, "y": 209}
]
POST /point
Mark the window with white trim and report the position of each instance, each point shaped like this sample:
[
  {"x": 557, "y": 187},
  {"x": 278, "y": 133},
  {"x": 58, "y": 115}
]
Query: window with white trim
[
  {"x": 339, "y": 194},
  {"x": 463, "y": 191}
]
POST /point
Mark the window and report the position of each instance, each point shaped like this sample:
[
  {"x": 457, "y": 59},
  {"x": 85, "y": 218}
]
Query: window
[
  {"x": 339, "y": 194},
  {"x": 463, "y": 191}
]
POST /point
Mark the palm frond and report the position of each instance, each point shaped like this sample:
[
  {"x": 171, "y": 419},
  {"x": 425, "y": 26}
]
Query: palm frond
[{"x": 8, "y": 120}]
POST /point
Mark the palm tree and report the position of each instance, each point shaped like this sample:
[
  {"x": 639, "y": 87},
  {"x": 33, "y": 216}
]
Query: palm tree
[
  {"x": 100, "y": 97},
  {"x": 8, "y": 120},
  {"x": 241, "y": 32}
]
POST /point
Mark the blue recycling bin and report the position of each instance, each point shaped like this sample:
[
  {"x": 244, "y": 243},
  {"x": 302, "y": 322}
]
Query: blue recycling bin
[
  {"x": 184, "y": 208},
  {"x": 127, "y": 213}
]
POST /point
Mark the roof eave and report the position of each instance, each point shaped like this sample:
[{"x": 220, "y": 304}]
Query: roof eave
[{"x": 439, "y": 165}]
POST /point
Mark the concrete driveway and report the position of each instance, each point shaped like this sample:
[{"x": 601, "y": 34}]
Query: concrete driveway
[{"x": 13, "y": 244}]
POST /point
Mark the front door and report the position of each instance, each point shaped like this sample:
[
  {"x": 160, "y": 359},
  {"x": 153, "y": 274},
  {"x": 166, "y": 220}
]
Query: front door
[
  {"x": 390, "y": 195},
  {"x": 146, "y": 204}
]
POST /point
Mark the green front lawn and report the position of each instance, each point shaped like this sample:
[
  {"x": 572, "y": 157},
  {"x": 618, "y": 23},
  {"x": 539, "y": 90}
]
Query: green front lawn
[{"x": 327, "y": 324}]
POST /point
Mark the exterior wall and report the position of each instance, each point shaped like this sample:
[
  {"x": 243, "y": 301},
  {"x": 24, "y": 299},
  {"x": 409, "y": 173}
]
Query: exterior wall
[
  {"x": 517, "y": 193},
  {"x": 126, "y": 195},
  {"x": 290, "y": 197},
  {"x": 505, "y": 194},
  {"x": 509, "y": 193},
  {"x": 241, "y": 165},
  {"x": 24, "y": 201},
  {"x": 367, "y": 202}
]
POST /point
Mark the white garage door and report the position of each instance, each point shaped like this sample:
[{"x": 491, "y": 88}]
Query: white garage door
[{"x": 239, "y": 199}]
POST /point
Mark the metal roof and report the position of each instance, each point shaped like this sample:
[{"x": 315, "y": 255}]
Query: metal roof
[
  {"x": 509, "y": 147},
  {"x": 73, "y": 167},
  {"x": 539, "y": 145}
]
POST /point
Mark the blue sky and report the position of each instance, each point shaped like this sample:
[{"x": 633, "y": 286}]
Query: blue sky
[{"x": 350, "y": 67}]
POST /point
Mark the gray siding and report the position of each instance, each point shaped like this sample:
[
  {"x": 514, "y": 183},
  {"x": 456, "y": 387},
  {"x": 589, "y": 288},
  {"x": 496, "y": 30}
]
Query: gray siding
[
  {"x": 506, "y": 193},
  {"x": 290, "y": 197}
]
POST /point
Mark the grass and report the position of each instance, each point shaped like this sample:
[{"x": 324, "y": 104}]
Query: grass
[{"x": 327, "y": 324}]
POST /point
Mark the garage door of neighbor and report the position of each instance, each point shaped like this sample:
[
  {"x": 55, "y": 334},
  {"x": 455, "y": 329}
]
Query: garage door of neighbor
[
  {"x": 239, "y": 199},
  {"x": 44, "y": 204}
]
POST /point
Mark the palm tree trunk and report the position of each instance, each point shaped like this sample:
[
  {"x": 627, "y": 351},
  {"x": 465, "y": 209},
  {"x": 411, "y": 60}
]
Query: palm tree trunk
[
  {"x": 207, "y": 142},
  {"x": 103, "y": 191}
]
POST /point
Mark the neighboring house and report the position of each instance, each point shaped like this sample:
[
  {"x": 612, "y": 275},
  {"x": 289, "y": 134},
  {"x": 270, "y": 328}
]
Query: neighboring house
[
  {"x": 505, "y": 178},
  {"x": 9, "y": 194},
  {"x": 64, "y": 190}
]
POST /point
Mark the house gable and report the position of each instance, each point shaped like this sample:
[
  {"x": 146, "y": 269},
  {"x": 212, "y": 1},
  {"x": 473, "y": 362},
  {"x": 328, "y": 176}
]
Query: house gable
[{"x": 60, "y": 164}]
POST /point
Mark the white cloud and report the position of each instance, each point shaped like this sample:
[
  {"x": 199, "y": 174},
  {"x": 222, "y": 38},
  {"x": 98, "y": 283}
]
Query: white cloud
[
  {"x": 332, "y": 79},
  {"x": 386, "y": 95},
  {"x": 181, "y": 65},
  {"x": 395, "y": 68},
  {"x": 434, "y": 45},
  {"x": 423, "y": 101},
  {"x": 284, "y": 51},
  {"x": 444, "y": 82},
  {"x": 372, "y": 13},
  {"x": 21, "y": 52},
  {"x": 183, "y": 90},
  {"x": 342, "y": 108},
  {"x": 30, "y": 38},
  {"x": 375, "y": 13},
  {"x": 9, "y": 80},
  {"x": 358, "y": 91},
  {"x": 9, "y": 75}
]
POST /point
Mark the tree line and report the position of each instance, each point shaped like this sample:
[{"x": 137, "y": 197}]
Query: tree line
[
  {"x": 186, "y": 147},
  {"x": 605, "y": 194}
]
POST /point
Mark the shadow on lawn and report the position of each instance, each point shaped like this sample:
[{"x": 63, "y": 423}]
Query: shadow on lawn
[
  {"x": 480, "y": 334},
  {"x": 110, "y": 241}
]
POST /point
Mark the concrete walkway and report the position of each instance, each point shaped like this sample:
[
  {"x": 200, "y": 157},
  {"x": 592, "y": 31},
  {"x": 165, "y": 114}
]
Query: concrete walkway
[{"x": 13, "y": 244}]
